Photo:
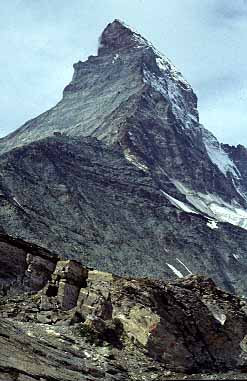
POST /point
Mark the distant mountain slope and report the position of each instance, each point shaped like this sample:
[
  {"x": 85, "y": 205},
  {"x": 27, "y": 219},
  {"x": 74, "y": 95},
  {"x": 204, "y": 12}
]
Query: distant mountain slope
[{"x": 121, "y": 175}]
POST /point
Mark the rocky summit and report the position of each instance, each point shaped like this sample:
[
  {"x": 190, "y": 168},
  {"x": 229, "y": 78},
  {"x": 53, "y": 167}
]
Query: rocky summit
[{"x": 121, "y": 176}]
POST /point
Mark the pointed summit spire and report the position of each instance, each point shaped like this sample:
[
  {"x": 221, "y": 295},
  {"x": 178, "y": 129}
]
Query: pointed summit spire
[{"x": 118, "y": 35}]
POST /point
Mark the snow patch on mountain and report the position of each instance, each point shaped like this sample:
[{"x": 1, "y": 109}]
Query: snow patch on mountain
[
  {"x": 240, "y": 190},
  {"x": 162, "y": 61},
  {"x": 172, "y": 93},
  {"x": 214, "y": 206},
  {"x": 165, "y": 65},
  {"x": 115, "y": 58},
  {"x": 222, "y": 160},
  {"x": 212, "y": 224},
  {"x": 133, "y": 160},
  {"x": 173, "y": 87},
  {"x": 218, "y": 156},
  {"x": 165, "y": 78},
  {"x": 179, "y": 204}
]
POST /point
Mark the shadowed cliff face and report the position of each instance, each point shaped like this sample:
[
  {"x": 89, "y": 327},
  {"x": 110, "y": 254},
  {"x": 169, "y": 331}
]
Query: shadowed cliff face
[
  {"x": 121, "y": 176},
  {"x": 81, "y": 324},
  {"x": 85, "y": 201}
]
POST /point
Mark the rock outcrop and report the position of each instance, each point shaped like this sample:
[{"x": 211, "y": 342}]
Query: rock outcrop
[
  {"x": 20, "y": 269},
  {"x": 82, "y": 324}
]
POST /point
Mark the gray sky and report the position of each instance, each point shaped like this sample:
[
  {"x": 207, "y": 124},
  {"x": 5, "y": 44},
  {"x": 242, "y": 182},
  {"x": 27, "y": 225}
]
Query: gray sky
[{"x": 205, "y": 39}]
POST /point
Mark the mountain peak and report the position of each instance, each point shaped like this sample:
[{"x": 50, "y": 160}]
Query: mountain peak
[
  {"x": 124, "y": 149},
  {"x": 118, "y": 35}
]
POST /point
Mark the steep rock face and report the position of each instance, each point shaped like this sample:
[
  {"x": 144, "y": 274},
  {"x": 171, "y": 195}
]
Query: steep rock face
[
  {"x": 133, "y": 96},
  {"x": 131, "y": 182},
  {"x": 116, "y": 328},
  {"x": 239, "y": 157},
  {"x": 103, "y": 211},
  {"x": 20, "y": 270}
]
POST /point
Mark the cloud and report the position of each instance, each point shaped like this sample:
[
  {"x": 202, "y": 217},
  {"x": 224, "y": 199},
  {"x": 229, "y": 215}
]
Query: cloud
[
  {"x": 206, "y": 40},
  {"x": 230, "y": 11}
]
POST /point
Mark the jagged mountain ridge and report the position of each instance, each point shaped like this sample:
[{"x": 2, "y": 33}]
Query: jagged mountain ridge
[
  {"x": 133, "y": 96},
  {"x": 176, "y": 183}
]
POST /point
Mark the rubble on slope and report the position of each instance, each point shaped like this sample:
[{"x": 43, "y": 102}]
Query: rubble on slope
[{"x": 61, "y": 321}]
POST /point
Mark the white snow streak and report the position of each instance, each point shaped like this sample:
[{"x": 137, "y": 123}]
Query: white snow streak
[
  {"x": 179, "y": 204},
  {"x": 17, "y": 202},
  {"x": 176, "y": 272},
  {"x": 177, "y": 259}
]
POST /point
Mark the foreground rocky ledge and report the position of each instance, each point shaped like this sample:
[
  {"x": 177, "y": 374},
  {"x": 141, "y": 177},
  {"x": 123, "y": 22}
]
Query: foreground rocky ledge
[{"x": 61, "y": 321}]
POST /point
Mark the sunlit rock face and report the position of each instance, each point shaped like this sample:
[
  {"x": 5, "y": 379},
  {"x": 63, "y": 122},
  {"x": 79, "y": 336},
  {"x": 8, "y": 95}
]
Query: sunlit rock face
[{"x": 121, "y": 175}]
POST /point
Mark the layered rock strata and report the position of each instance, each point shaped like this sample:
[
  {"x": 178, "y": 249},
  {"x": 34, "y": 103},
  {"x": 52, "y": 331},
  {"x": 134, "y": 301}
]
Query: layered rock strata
[{"x": 84, "y": 324}]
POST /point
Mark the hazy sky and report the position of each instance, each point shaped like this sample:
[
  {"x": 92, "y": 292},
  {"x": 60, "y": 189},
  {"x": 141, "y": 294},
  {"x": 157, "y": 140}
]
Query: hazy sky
[{"x": 205, "y": 39}]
